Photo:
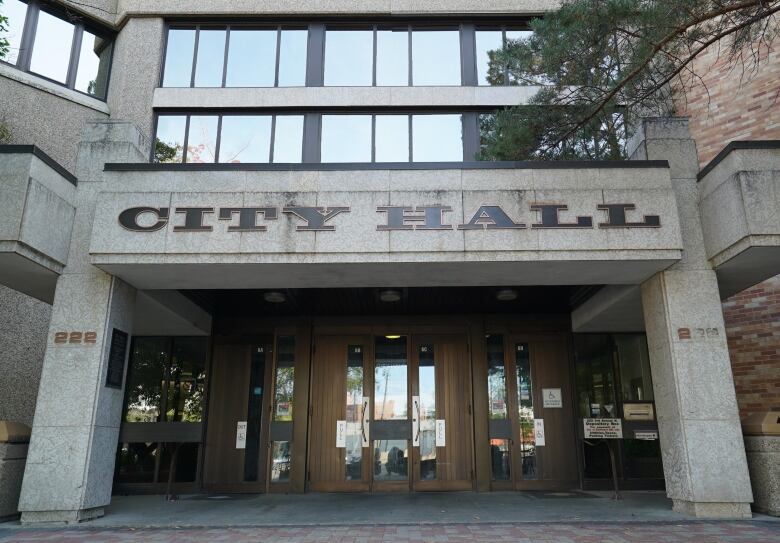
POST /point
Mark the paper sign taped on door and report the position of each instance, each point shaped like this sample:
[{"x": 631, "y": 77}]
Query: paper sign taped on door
[
  {"x": 241, "y": 434},
  {"x": 539, "y": 432}
]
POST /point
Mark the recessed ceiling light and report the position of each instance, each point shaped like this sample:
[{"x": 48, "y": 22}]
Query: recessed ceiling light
[
  {"x": 393, "y": 337},
  {"x": 506, "y": 295},
  {"x": 390, "y": 295},
  {"x": 275, "y": 297}
]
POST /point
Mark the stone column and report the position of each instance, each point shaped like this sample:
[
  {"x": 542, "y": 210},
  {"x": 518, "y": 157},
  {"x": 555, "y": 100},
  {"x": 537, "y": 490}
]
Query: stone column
[
  {"x": 70, "y": 464},
  {"x": 699, "y": 428}
]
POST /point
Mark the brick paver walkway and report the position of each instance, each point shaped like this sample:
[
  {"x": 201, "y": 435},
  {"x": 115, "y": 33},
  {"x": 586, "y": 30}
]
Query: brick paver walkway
[{"x": 693, "y": 532}]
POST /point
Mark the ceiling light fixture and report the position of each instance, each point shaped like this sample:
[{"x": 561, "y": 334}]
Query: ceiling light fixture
[
  {"x": 275, "y": 297},
  {"x": 392, "y": 337},
  {"x": 390, "y": 295},
  {"x": 506, "y": 295}
]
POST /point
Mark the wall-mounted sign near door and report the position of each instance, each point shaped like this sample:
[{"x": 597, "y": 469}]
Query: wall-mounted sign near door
[
  {"x": 603, "y": 428},
  {"x": 552, "y": 398},
  {"x": 116, "y": 359}
]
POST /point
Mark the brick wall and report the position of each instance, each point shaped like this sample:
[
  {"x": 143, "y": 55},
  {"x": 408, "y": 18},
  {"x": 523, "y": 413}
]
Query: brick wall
[
  {"x": 733, "y": 106},
  {"x": 753, "y": 331}
]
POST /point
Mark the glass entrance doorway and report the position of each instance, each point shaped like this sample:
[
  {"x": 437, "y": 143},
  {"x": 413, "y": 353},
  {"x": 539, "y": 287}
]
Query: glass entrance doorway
[
  {"x": 390, "y": 413},
  {"x": 530, "y": 424}
]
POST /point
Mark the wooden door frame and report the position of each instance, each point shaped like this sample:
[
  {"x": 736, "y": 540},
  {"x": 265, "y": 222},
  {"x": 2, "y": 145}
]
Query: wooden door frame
[
  {"x": 243, "y": 486},
  {"x": 533, "y": 339},
  {"x": 364, "y": 484},
  {"x": 461, "y": 339}
]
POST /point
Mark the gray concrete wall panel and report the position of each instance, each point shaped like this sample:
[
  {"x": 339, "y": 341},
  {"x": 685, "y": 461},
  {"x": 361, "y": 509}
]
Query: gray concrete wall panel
[
  {"x": 698, "y": 419},
  {"x": 24, "y": 322},
  {"x": 46, "y": 115},
  {"x": 131, "y": 8},
  {"x": 138, "y": 53},
  {"x": 357, "y": 97}
]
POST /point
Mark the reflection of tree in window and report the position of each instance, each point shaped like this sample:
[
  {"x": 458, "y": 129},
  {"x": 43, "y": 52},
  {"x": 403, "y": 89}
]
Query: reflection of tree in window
[
  {"x": 165, "y": 153},
  {"x": 284, "y": 393},
  {"x": 144, "y": 389}
]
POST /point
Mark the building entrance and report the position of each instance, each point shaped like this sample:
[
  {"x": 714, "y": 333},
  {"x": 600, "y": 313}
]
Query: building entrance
[{"x": 391, "y": 413}]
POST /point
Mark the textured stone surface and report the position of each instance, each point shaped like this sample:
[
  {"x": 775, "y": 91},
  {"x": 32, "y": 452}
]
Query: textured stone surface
[
  {"x": 763, "y": 456},
  {"x": 347, "y": 7},
  {"x": 73, "y": 445},
  {"x": 32, "y": 122},
  {"x": 24, "y": 323},
  {"x": 698, "y": 420},
  {"x": 131, "y": 90},
  {"x": 367, "y": 97}
]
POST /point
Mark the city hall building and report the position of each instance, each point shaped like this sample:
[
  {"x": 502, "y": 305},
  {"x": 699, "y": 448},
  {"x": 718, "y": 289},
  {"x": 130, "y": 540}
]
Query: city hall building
[{"x": 274, "y": 264}]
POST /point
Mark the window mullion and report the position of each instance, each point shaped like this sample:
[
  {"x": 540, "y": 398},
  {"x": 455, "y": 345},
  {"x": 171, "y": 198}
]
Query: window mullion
[
  {"x": 411, "y": 137},
  {"x": 186, "y": 140},
  {"x": 195, "y": 56},
  {"x": 28, "y": 36},
  {"x": 273, "y": 140},
  {"x": 278, "y": 55},
  {"x": 219, "y": 139},
  {"x": 225, "y": 58},
  {"x": 373, "y": 62},
  {"x": 373, "y": 135},
  {"x": 409, "y": 56},
  {"x": 468, "y": 55},
  {"x": 75, "y": 53}
]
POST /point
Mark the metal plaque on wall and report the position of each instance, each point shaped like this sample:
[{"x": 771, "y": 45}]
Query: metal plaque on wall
[{"x": 116, "y": 359}]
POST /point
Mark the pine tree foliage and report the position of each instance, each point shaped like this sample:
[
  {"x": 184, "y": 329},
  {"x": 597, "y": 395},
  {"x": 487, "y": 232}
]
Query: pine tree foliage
[{"x": 604, "y": 62}]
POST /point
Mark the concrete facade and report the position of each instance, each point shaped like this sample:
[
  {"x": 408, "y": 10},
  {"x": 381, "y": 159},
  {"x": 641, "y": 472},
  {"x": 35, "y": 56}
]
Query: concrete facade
[
  {"x": 665, "y": 279},
  {"x": 691, "y": 371}
]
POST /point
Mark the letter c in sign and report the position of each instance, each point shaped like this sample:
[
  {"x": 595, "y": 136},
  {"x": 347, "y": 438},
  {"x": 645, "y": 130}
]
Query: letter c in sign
[{"x": 129, "y": 218}]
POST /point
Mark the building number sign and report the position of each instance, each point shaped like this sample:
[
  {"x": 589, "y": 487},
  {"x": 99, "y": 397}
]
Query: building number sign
[{"x": 75, "y": 338}]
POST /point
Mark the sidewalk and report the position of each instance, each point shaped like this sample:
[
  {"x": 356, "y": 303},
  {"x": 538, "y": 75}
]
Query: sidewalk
[{"x": 441, "y": 518}]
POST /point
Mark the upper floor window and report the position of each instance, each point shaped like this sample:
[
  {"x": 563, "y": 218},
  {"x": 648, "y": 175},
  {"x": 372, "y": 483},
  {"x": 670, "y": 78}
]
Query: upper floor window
[
  {"x": 336, "y": 55},
  {"x": 264, "y": 137},
  {"x": 390, "y": 56},
  {"x": 235, "y": 56},
  {"x": 58, "y": 47},
  {"x": 488, "y": 41}
]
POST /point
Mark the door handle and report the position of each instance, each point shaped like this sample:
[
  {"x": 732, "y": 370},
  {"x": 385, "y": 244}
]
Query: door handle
[
  {"x": 363, "y": 421},
  {"x": 417, "y": 408}
]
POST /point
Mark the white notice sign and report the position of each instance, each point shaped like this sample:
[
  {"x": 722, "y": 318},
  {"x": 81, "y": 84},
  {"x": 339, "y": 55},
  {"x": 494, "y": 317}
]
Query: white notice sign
[
  {"x": 646, "y": 435},
  {"x": 241, "y": 435},
  {"x": 552, "y": 398},
  {"x": 441, "y": 438},
  {"x": 603, "y": 428},
  {"x": 341, "y": 433},
  {"x": 539, "y": 432}
]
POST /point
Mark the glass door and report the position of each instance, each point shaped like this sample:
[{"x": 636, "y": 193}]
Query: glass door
[
  {"x": 339, "y": 415},
  {"x": 531, "y": 436},
  {"x": 390, "y": 426},
  {"x": 442, "y": 451}
]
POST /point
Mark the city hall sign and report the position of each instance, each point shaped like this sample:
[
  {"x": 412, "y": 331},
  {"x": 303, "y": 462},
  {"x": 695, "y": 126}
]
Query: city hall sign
[{"x": 426, "y": 217}]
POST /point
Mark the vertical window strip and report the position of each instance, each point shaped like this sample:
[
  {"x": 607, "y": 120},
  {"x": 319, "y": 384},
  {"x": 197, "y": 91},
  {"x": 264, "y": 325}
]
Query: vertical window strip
[
  {"x": 194, "y": 58},
  {"x": 225, "y": 61},
  {"x": 186, "y": 139},
  {"x": 278, "y": 60}
]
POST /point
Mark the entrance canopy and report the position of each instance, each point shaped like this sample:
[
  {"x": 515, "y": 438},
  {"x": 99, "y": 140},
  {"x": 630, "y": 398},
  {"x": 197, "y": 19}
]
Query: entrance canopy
[{"x": 568, "y": 223}]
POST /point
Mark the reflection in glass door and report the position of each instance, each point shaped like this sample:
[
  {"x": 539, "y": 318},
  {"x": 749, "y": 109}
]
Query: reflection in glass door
[
  {"x": 355, "y": 429},
  {"x": 525, "y": 411},
  {"x": 390, "y": 424},
  {"x": 425, "y": 435}
]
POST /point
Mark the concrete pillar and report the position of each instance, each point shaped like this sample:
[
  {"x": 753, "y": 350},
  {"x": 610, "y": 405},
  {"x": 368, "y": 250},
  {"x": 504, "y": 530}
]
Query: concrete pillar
[
  {"x": 701, "y": 438},
  {"x": 70, "y": 464}
]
